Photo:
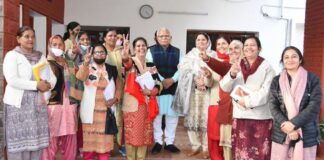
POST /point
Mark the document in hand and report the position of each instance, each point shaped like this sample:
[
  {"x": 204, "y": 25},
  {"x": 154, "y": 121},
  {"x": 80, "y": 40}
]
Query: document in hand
[
  {"x": 109, "y": 92},
  {"x": 42, "y": 71},
  {"x": 146, "y": 80},
  {"x": 239, "y": 91}
]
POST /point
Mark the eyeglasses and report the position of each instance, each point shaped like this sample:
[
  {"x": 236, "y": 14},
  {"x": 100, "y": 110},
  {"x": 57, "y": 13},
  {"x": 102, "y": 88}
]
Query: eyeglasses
[
  {"x": 99, "y": 52},
  {"x": 164, "y": 36}
]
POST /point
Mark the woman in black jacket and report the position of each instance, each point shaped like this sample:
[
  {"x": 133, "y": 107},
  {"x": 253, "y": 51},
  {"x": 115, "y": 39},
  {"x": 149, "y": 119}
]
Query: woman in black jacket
[{"x": 295, "y": 100}]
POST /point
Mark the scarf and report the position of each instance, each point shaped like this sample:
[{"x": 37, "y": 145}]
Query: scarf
[
  {"x": 222, "y": 56},
  {"x": 134, "y": 89},
  {"x": 292, "y": 96},
  {"x": 32, "y": 57},
  {"x": 248, "y": 69}
]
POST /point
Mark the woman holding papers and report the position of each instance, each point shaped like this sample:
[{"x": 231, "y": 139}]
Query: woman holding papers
[
  {"x": 101, "y": 92},
  {"x": 251, "y": 127},
  {"x": 25, "y": 109},
  {"x": 139, "y": 105},
  {"x": 192, "y": 95},
  {"x": 295, "y": 101},
  {"x": 62, "y": 105}
]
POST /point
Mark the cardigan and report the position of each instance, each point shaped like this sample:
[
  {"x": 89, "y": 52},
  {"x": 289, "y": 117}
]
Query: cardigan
[
  {"x": 17, "y": 71},
  {"x": 256, "y": 103}
]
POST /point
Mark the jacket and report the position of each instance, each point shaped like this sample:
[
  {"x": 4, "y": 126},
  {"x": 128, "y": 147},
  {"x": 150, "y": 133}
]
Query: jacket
[{"x": 308, "y": 116}]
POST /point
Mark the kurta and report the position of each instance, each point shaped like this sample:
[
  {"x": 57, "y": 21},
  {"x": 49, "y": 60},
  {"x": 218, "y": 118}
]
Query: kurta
[
  {"x": 94, "y": 139},
  {"x": 114, "y": 59}
]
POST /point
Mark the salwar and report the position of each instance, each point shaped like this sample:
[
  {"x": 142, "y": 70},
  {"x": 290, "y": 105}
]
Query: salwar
[
  {"x": 282, "y": 152},
  {"x": 92, "y": 155},
  {"x": 198, "y": 139},
  {"x": 171, "y": 123},
  {"x": 226, "y": 140},
  {"x": 25, "y": 155},
  {"x": 215, "y": 151},
  {"x": 135, "y": 153},
  {"x": 67, "y": 144}
]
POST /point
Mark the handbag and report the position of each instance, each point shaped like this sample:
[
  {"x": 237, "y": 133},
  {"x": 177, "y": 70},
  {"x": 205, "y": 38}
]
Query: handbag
[{"x": 111, "y": 126}]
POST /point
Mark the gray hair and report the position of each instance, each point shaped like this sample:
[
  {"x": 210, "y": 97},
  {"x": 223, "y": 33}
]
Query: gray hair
[{"x": 163, "y": 28}]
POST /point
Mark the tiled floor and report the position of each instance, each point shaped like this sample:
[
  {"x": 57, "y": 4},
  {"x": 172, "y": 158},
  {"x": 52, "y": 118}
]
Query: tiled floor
[{"x": 181, "y": 141}]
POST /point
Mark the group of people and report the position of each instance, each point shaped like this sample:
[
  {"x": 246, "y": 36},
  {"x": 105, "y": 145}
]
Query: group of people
[{"x": 234, "y": 107}]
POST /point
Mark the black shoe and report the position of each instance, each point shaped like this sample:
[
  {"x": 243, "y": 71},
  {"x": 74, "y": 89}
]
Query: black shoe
[
  {"x": 157, "y": 148},
  {"x": 171, "y": 148}
]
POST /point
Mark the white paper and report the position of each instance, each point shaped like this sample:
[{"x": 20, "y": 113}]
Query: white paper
[
  {"x": 236, "y": 93},
  {"x": 146, "y": 80},
  {"x": 45, "y": 73},
  {"x": 109, "y": 92}
]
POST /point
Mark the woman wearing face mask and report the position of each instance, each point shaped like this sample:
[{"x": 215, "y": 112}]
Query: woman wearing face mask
[
  {"x": 83, "y": 44},
  {"x": 97, "y": 76},
  {"x": 194, "y": 105},
  {"x": 295, "y": 103},
  {"x": 62, "y": 106},
  {"x": 139, "y": 105},
  {"x": 72, "y": 30},
  {"x": 25, "y": 111},
  {"x": 251, "y": 127}
]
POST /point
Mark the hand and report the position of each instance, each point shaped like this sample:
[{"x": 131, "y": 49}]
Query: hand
[
  {"x": 287, "y": 127},
  {"x": 153, "y": 70},
  {"x": 241, "y": 102},
  {"x": 235, "y": 68},
  {"x": 111, "y": 102},
  {"x": 146, "y": 91},
  {"x": 204, "y": 56},
  {"x": 167, "y": 83},
  {"x": 206, "y": 72},
  {"x": 199, "y": 81},
  {"x": 125, "y": 51},
  {"x": 87, "y": 57},
  {"x": 75, "y": 48},
  {"x": 293, "y": 135},
  {"x": 43, "y": 86}
]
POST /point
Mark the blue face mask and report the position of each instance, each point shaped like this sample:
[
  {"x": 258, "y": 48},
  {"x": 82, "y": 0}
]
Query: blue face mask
[{"x": 83, "y": 49}]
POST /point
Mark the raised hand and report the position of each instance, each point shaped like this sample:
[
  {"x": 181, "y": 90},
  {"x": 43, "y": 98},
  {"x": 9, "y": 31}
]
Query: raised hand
[
  {"x": 125, "y": 51},
  {"x": 204, "y": 56},
  {"x": 87, "y": 56},
  {"x": 153, "y": 70},
  {"x": 235, "y": 68}
]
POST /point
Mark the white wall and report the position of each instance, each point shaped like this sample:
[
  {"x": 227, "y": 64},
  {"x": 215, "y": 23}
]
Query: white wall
[
  {"x": 222, "y": 15},
  {"x": 40, "y": 31}
]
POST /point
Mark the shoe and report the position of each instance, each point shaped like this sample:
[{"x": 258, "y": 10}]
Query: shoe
[
  {"x": 157, "y": 148},
  {"x": 193, "y": 152},
  {"x": 122, "y": 151},
  {"x": 171, "y": 148}
]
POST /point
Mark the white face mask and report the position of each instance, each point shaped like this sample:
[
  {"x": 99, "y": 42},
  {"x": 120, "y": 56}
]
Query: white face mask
[
  {"x": 119, "y": 42},
  {"x": 83, "y": 49},
  {"x": 57, "y": 52}
]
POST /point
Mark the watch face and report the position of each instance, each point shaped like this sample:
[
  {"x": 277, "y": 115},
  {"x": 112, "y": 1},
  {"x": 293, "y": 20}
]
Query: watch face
[{"x": 146, "y": 11}]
